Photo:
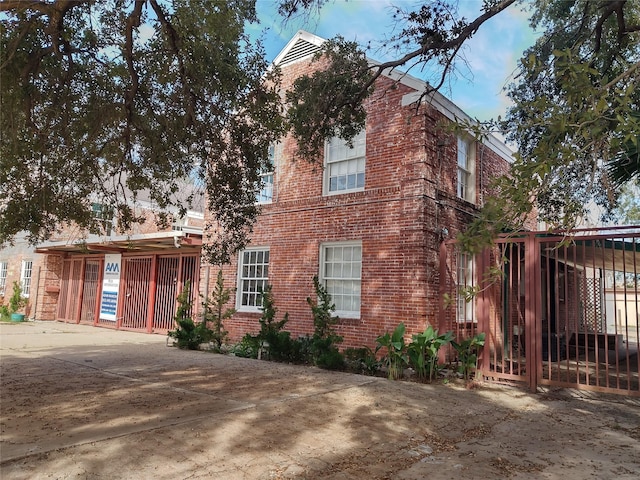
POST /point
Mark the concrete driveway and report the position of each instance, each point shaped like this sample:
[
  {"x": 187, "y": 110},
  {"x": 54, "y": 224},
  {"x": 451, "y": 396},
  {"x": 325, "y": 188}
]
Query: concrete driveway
[{"x": 85, "y": 402}]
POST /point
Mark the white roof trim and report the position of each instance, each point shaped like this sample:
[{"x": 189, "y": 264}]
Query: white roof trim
[{"x": 303, "y": 36}]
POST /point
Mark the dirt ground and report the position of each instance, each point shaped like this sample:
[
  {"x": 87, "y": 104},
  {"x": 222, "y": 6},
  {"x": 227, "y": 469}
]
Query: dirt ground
[{"x": 80, "y": 402}]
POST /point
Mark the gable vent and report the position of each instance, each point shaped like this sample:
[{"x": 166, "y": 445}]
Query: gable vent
[{"x": 298, "y": 51}]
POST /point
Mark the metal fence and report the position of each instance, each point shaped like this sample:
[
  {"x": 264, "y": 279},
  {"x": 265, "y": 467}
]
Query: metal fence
[{"x": 557, "y": 310}]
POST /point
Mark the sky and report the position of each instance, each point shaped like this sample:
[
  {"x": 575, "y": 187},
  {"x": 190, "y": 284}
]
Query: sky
[{"x": 492, "y": 54}]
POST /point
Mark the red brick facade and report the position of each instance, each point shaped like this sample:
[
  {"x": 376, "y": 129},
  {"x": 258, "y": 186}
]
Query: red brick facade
[{"x": 409, "y": 200}]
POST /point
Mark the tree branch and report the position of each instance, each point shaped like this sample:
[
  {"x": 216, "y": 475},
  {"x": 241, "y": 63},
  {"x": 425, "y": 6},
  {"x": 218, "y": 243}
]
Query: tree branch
[
  {"x": 433, "y": 45},
  {"x": 174, "y": 42},
  {"x": 132, "y": 22}
]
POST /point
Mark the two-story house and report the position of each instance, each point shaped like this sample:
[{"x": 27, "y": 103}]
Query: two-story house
[{"x": 368, "y": 220}]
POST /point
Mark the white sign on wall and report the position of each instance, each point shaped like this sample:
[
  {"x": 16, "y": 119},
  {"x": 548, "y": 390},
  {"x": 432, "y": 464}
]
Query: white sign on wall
[{"x": 110, "y": 286}]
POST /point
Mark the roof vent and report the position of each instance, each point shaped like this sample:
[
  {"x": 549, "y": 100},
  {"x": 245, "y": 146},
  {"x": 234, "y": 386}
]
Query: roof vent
[{"x": 298, "y": 51}]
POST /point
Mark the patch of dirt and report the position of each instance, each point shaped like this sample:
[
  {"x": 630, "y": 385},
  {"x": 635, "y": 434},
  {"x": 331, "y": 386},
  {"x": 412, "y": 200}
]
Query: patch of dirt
[{"x": 79, "y": 402}]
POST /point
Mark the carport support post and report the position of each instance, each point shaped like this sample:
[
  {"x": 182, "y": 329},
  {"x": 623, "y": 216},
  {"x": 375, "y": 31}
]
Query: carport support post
[
  {"x": 151, "y": 309},
  {"x": 483, "y": 306},
  {"x": 533, "y": 329}
]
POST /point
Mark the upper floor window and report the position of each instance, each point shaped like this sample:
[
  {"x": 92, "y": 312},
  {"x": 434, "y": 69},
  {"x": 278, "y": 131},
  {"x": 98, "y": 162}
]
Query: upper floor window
[
  {"x": 465, "y": 308},
  {"x": 253, "y": 276},
  {"x": 104, "y": 214},
  {"x": 341, "y": 273},
  {"x": 466, "y": 169},
  {"x": 25, "y": 277},
  {"x": 345, "y": 165},
  {"x": 265, "y": 194},
  {"x": 3, "y": 277}
]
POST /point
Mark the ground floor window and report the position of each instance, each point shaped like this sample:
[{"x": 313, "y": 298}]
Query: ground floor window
[
  {"x": 253, "y": 276},
  {"x": 341, "y": 273},
  {"x": 465, "y": 309},
  {"x": 3, "y": 277},
  {"x": 25, "y": 277}
]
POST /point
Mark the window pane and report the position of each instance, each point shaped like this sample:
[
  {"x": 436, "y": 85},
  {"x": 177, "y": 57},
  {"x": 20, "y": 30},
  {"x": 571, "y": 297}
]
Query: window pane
[
  {"x": 346, "y": 165},
  {"x": 342, "y": 276},
  {"x": 254, "y": 276}
]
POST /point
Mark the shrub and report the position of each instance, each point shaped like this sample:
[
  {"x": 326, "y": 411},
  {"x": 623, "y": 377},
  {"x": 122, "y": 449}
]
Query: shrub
[
  {"x": 396, "y": 357},
  {"x": 467, "y": 351},
  {"x": 324, "y": 341},
  {"x": 361, "y": 360},
  {"x": 188, "y": 335},
  {"x": 214, "y": 311},
  {"x": 423, "y": 352},
  {"x": 248, "y": 347},
  {"x": 272, "y": 339},
  {"x": 17, "y": 301}
]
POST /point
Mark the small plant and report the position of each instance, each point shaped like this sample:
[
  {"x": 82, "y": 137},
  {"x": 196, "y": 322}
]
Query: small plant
[
  {"x": 188, "y": 335},
  {"x": 323, "y": 343},
  {"x": 423, "y": 352},
  {"x": 468, "y": 354},
  {"x": 362, "y": 360},
  {"x": 396, "y": 358},
  {"x": 215, "y": 313},
  {"x": 17, "y": 301},
  {"x": 273, "y": 340},
  {"x": 248, "y": 347},
  {"x": 5, "y": 314}
]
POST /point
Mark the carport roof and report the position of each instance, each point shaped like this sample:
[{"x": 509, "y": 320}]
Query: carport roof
[
  {"x": 125, "y": 243},
  {"x": 608, "y": 254}
]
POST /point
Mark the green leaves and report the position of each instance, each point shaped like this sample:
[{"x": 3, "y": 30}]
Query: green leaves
[
  {"x": 423, "y": 352},
  {"x": 107, "y": 102},
  {"x": 396, "y": 357},
  {"x": 328, "y": 102}
]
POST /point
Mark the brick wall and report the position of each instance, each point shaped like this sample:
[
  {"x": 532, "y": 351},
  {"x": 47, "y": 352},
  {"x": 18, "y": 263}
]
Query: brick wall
[{"x": 409, "y": 197}]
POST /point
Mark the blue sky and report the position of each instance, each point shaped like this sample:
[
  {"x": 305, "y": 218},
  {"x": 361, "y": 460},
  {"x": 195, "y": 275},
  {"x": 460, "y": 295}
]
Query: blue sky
[{"x": 492, "y": 54}]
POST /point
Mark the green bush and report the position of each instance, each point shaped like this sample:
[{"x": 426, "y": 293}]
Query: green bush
[
  {"x": 423, "y": 352},
  {"x": 215, "y": 313},
  {"x": 467, "y": 351},
  {"x": 248, "y": 347},
  {"x": 331, "y": 360},
  {"x": 396, "y": 357},
  {"x": 361, "y": 360},
  {"x": 324, "y": 342},
  {"x": 187, "y": 334}
]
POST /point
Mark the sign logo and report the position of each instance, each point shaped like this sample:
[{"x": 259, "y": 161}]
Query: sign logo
[{"x": 112, "y": 267}]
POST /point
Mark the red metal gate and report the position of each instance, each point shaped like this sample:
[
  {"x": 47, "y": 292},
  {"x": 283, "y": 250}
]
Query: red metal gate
[
  {"x": 92, "y": 278},
  {"x": 557, "y": 310},
  {"x": 70, "y": 291},
  {"x": 148, "y": 290},
  {"x": 173, "y": 274},
  {"x": 166, "y": 292},
  {"x": 136, "y": 275}
]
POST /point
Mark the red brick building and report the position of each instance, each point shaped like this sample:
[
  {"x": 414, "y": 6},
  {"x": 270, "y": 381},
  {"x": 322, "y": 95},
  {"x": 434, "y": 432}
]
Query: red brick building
[{"x": 368, "y": 220}]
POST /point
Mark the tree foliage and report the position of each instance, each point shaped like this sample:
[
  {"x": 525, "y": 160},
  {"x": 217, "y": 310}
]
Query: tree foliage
[
  {"x": 105, "y": 101},
  {"x": 575, "y": 117}
]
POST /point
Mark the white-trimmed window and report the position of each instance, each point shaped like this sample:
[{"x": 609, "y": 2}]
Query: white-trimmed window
[
  {"x": 25, "y": 277},
  {"x": 466, "y": 169},
  {"x": 104, "y": 214},
  {"x": 253, "y": 276},
  {"x": 265, "y": 194},
  {"x": 465, "y": 307},
  {"x": 3, "y": 277},
  {"x": 345, "y": 165},
  {"x": 178, "y": 223},
  {"x": 341, "y": 274}
]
